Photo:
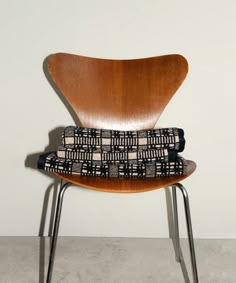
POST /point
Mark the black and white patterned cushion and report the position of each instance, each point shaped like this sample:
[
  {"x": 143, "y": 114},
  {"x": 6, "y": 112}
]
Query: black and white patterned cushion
[
  {"x": 162, "y": 154},
  {"x": 52, "y": 163},
  {"x": 110, "y": 153},
  {"x": 111, "y": 140}
]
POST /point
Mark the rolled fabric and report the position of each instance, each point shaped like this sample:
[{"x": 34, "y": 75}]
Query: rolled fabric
[
  {"x": 51, "y": 163},
  {"x": 162, "y": 154},
  {"x": 112, "y": 140}
]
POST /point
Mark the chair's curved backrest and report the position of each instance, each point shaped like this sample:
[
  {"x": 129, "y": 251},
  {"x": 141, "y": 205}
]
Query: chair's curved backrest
[{"x": 118, "y": 94}]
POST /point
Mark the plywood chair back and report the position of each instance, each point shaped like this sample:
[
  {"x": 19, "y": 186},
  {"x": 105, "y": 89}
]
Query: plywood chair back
[{"x": 118, "y": 94}]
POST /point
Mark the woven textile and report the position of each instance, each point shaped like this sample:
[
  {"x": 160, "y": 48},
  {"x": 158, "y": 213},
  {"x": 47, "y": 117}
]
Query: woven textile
[
  {"x": 111, "y": 140},
  {"x": 110, "y": 153},
  {"x": 162, "y": 154},
  {"x": 50, "y": 162}
]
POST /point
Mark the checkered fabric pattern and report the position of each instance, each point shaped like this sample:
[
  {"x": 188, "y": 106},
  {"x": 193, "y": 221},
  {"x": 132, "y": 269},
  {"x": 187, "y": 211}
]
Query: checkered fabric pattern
[
  {"x": 111, "y": 140},
  {"x": 162, "y": 154},
  {"x": 52, "y": 163},
  {"x": 110, "y": 153}
]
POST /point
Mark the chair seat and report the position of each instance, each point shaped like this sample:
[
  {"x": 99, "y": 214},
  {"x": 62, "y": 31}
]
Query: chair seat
[{"x": 123, "y": 185}]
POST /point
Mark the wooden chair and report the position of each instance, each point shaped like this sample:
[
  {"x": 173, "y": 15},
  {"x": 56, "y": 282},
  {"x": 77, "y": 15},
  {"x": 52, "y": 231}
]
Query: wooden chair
[{"x": 121, "y": 95}]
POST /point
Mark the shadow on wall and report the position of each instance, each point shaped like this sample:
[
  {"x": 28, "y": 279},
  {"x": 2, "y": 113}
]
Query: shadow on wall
[
  {"x": 54, "y": 140},
  {"x": 55, "y": 134},
  {"x": 58, "y": 92},
  {"x": 31, "y": 162}
]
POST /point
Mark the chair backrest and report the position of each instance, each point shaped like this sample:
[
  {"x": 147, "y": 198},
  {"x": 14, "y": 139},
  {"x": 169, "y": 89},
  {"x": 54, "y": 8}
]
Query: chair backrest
[{"x": 118, "y": 94}]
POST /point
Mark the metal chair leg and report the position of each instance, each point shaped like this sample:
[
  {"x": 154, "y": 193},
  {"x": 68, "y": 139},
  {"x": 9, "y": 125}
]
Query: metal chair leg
[
  {"x": 176, "y": 226},
  {"x": 178, "y": 251},
  {"x": 55, "y": 229},
  {"x": 176, "y": 241},
  {"x": 189, "y": 228}
]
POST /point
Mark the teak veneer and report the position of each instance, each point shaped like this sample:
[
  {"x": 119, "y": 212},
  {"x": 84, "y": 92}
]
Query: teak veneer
[{"x": 121, "y": 95}]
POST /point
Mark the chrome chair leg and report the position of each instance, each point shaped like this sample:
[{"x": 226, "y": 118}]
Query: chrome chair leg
[
  {"x": 55, "y": 229},
  {"x": 189, "y": 228},
  {"x": 178, "y": 253},
  {"x": 176, "y": 241}
]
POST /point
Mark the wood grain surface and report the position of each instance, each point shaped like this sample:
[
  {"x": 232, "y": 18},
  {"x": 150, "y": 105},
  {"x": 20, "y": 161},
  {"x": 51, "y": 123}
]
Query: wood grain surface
[{"x": 120, "y": 95}]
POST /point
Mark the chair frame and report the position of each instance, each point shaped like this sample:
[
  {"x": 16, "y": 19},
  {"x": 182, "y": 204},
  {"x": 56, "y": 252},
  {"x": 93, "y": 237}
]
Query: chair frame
[{"x": 177, "y": 247}]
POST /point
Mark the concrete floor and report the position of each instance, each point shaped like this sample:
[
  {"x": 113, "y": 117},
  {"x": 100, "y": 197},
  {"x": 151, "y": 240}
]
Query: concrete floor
[{"x": 113, "y": 260}]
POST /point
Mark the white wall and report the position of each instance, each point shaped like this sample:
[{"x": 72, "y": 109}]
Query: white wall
[{"x": 203, "y": 31}]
